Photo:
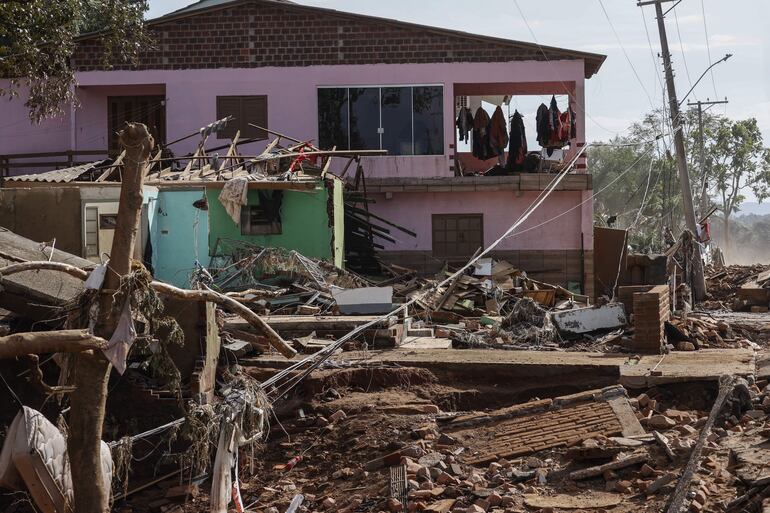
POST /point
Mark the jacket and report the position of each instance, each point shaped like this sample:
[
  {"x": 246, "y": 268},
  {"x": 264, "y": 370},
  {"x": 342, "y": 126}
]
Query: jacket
[
  {"x": 517, "y": 149},
  {"x": 464, "y": 124},
  {"x": 498, "y": 132},
  {"x": 480, "y": 144}
]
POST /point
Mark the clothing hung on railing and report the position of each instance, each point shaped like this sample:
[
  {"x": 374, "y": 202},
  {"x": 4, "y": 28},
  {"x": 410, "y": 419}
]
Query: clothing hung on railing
[
  {"x": 464, "y": 124},
  {"x": 517, "y": 148},
  {"x": 555, "y": 129}
]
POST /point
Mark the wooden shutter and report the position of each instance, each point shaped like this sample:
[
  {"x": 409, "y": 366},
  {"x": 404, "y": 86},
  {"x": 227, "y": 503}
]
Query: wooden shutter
[
  {"x": 254, "y": 110},
  {"x": 457, "y": 235},
  {"x": 150, "y": 110},
  {"x": 229, "y": 106},
  {"x": 245, "y": 109}
]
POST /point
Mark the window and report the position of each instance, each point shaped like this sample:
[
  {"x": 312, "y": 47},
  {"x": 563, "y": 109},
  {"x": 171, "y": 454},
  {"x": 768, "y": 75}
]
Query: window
[
  {"x": 108, "y": 221},
  {"x": 245, "y": 110},
  {"x": 255, "y": 220},
  {"x": 402, "y": 120},
  {"x": 457, "y": 235},
  {"x": 92, "y": 232},
  {"x": 150, "y": 110}
]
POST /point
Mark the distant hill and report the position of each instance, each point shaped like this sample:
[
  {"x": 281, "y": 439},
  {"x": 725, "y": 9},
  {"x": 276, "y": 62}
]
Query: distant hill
[
  {"x": 754, "y": 208},
  {"x": 750, "y": 237}
]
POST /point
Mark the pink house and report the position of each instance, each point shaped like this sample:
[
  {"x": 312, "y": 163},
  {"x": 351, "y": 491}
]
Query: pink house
[{"x": 351, "y": 81}]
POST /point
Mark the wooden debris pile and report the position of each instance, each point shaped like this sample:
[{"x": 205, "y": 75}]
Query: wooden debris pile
[{"x": 739, "y": 286}]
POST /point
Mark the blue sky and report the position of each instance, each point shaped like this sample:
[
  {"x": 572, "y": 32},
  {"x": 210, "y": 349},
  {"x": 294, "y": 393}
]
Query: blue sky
[{"x": 614, "y": 97}]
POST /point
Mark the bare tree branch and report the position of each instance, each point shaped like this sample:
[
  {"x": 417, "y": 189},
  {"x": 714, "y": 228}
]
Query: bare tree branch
[{"x": 39, "y": 342}]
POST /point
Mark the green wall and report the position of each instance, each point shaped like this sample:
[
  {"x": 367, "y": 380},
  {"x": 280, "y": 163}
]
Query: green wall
[{"x": 304, "y": 223}]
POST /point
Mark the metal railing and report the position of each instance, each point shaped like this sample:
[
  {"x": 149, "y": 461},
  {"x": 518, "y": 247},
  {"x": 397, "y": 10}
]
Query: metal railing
[{"x": 46, "y": 160}]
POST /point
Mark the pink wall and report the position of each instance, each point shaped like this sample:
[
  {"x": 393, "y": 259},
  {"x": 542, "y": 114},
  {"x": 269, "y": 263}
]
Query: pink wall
[
  {"x": 500, "y": 209},
  {"x": 292, "y": 99},
  {"x": 19, "y": 135},
  {"x": 292, "y": 109}
]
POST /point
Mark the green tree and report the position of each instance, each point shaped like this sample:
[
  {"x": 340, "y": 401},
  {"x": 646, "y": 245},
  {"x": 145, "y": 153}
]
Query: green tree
[
  {"x": 38, "y": 38},
  {"x": 738, "y": 161}
]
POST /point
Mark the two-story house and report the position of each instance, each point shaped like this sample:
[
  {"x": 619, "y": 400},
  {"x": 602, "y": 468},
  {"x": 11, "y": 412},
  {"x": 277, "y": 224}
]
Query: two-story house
[{"x": 350, "y": 81}]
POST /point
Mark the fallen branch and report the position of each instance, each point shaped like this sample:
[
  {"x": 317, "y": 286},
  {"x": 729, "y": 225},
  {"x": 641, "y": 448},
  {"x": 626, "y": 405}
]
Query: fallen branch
[
  {"x": 77, "y": 272},
  {"x": 613, "y": 465},
  {"x": 207, "y": 294},
  {"x": 255, "y": 320},
  {"x": 38, "y": 342},
  {"x": 679, "y": 497}
]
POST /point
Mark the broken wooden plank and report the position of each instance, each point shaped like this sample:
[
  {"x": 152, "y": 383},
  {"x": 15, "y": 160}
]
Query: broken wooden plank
[{"x": 598, "y": 470}]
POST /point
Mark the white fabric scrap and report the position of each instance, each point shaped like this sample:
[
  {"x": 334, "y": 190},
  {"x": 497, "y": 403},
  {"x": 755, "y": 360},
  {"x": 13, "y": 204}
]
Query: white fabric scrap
[
  {"x": 234, "y": 196},
  {"x": 96, "y": 278},
  {"x": 121, "y": 340}
]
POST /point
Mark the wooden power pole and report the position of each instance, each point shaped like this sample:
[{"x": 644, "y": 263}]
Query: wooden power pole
[
  {"x": 699, "y": 285},
  {"x": 702, "y": 159}
]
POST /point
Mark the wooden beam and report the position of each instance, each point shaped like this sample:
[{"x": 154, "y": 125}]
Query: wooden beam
[
  {"x": 40, "y": 342},
  {"x": 164, "y": 288}
]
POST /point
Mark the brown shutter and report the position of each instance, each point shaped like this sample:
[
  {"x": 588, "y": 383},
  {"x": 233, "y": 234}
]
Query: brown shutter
[
  {"x": 229, "y": 106},
  {"x": 254, "y": 110}
]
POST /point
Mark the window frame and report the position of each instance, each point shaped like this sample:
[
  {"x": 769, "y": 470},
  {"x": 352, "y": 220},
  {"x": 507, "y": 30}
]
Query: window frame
[
  {"x": 249, "y": 229},
  {"x": 239, "y": 117},
  {"x": 380, "y": 87},
  {"x": 456, "y": 217}
]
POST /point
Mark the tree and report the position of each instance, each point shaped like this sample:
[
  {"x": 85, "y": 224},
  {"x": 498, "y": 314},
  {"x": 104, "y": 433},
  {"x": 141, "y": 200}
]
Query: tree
[
  {"x": 738, "y": 161},
  {"x": 734, "y": 161},
  {"x": 38, "y": 38}
]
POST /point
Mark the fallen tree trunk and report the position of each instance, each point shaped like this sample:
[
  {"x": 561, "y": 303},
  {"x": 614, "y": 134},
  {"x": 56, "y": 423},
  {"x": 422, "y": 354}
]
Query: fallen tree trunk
[
  {"x": 275, "y": 340},
  {"x": 38, "y": 342},
  {"x": 77, "y": 272}
]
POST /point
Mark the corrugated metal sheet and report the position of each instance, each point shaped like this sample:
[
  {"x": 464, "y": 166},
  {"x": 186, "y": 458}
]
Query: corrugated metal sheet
[{"x": 66, "y": 175}]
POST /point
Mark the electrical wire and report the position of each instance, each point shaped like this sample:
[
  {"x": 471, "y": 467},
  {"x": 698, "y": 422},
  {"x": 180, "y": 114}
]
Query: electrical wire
[
  {"x": 580, "y": 106},
  {"x": 665, "y": 120},
  {"x": 559, "y": 216},
  {"x": 318, "y": 358},
  {"x": 628, "y": 59},
  {"x": 708, "y": 46},
  {"x": 681, "y": 48}
]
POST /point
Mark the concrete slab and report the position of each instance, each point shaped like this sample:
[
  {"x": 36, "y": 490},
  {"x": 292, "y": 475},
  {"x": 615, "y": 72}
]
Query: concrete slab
[
  {"x": 553, "y": 367},
  {"x": 36, "y": 294},
  {"x": 681, "y": 366},
  {"x": 364, "y": 300},
  {"x": 586, "y": 320},
  {"x": 426, "y": 343}
]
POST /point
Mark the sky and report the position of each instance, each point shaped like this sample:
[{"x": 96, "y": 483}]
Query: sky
[{"x": 631, "y": 79}]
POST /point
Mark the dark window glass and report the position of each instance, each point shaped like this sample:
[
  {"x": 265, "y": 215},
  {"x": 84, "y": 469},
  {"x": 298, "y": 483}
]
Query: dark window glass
[
  {"x": 428, "y": 120},
  {"x": 333, "y": 118},
  {"x": 364, "y": 118},
  {"x": 397, "y": 120}
]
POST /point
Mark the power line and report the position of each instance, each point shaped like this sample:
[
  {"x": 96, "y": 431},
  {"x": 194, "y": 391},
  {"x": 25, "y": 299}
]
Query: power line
[
  {"x": 628, "y": 59},
  {"x": 708, "y": 46},
  {"x": 571, "y": 209},
  {"x": 681, "y": 47},
  {"x": 655, "y": 64},
  {"x": 566, "y": 89}
]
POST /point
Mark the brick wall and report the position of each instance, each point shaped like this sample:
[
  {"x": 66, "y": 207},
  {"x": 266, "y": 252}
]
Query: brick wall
[
  {"x": 626, "y": 295},
  {"x": 259, "y": 34},
  {"x": 651, "y": 309}
]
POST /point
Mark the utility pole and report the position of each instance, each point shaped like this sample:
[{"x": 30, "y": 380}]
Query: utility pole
[
  {"x": 699, "y": 281},
  {"x": 702, "y": 159}
]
